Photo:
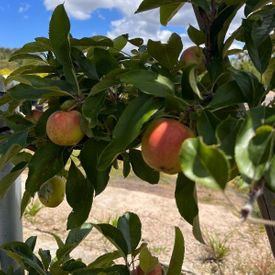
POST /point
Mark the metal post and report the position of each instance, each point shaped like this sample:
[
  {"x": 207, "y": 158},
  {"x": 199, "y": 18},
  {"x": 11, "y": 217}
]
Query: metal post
[{"x": 10, "y": 221}]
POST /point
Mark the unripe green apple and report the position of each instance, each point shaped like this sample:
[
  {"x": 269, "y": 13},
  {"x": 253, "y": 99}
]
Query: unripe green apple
[
  {"x": 161, "y": 143},
  {"x": 63, "y": 128},
  {"x": 52, "y": 192},
  {"x": 194, "y": 55}
]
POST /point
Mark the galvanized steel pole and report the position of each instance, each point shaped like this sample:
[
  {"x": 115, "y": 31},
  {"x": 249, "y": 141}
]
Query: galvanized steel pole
[{"x": 10, "y": 221}]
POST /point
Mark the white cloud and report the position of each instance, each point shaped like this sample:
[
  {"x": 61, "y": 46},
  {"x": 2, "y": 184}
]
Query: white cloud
[
  {"x": 144, "y": 25},
  {"x": 82, "y": 9},
  {"x": 24, "y": 7}
]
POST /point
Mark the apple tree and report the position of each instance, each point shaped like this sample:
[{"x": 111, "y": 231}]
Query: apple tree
[{"x": 103, "y": 98}]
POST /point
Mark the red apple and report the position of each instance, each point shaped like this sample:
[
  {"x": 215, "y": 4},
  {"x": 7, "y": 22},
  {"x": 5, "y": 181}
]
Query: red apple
[
  {"x": 35, "y": 116},
  {"x": 194, "y": 55},
  {"x": 161, "y": 144},
  {"x": 156, "y": 271},
  {"x": 63, "y": 128}
]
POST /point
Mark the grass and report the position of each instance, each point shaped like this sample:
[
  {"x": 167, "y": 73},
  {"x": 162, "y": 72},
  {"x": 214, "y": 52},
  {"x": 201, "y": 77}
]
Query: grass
[
  {"x": 157, "y": 250},
  {"x": 33, "y": 208},
  {"x": 262, "y": 265},
  {"x": 217, "y": 247},
  {"x": 112, "y": 220}
]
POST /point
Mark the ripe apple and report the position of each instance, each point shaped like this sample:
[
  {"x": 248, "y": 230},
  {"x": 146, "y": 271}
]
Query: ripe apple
[
  {"x": 161, "y": 144},
  {"x": 194, "y": 55},
  {"x": 156, "y": 271},
  {"x": 63, "y": 128},
  {"x": 35, "y": 116},
  {"x": 52, "y": 192}
]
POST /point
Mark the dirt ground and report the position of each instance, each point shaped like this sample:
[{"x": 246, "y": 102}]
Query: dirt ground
[{"x": 248, "y": 250}]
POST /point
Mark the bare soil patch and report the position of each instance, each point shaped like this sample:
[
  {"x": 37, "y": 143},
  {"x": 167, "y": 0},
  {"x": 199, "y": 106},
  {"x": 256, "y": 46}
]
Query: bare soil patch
[{"x": 247, "y": 244}]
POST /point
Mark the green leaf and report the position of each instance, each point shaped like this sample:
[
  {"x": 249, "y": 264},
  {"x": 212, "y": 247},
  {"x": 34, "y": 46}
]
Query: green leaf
[
  {"x": 252, "y": 89},
  {"x": 45, "y": 163},
  {"x": 77, "y": 235},
  {"x": 126, "y": 165},
  {"x": 141, "y": 169},
  {"x": 147, "y": 262},
  {"x": 32, "y": 69},
  {"x": 260, "y": 147},
  {"x": 228, "y": 94},
  {"x": 26, "y": 56},
  {"x": 207, "y": 123},
  {"x": 197, "y": 36},
  {"x": 236, "y": 35},
  {"x": 246, "y": 160},
  {"x": 4, "y": 99},
  {"x": 152, "y": 4},
  {"x": 176, "y": 261},
  {"x": 23, "y": 254},
  {"x": 115, "y": 236},
  {"x": 167, "y": 12},
  {"x": 204, "y": 164},
  {"x": 45, "y": 256},
  {"x": 189, "y": 83},
  {"x": 25, "y": 92},
  {"x": 33, "y": 47},
  {"x": 120, "y": 42},
  {"x": 260, "y": 24},
  {"x": 136, "y": 41},
  {"x": 79, "y": 194},
  {"x": 86, "y": 65},
  {"x": 89, "y": 159},
  {"x": 92, "y": 107},
  {"x": 109, "y": 80},
  {"x": 128, "y": 127},
  {"x": 252, "y": 5},
  {"x": 73, "y": 265},
  {"x": 257, "y": 29},
  {"x": 9, "y": 179},
  {"x": 105, "y": 260},
  {"x": 94, "y": 41},
  {"x": 186, "y": 200},
  {"x": 31, "y": 242},
  {"x": 130, "y": 226},
  {"x": 59, "y": 32},
  {"x": 40, "y": 82},
  {"x": 269, "y": 75},
  {"x": 104, "y": 61},
  {"x": 24, "y": 202},
  {"x": 166, "y": 54},
  {"x": 16, "y": 122},
  {"x": 11, "y": 146},
  {"x": 149, "y": 82},
  {"x": 219, "y": 27},
  {"x": 226, "y": 134}
]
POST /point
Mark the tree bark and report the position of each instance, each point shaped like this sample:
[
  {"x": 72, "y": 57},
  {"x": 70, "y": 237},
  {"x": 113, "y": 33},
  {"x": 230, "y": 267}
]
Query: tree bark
[{"x": 266, "y": 204}]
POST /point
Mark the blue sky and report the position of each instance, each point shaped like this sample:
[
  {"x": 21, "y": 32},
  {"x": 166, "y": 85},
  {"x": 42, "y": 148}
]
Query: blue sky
[{"x": 23, "y": 20}]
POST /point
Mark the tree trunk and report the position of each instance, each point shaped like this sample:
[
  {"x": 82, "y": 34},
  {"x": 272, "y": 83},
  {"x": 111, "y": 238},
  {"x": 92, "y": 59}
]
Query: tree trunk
[{"x": 266, "y": 204}]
